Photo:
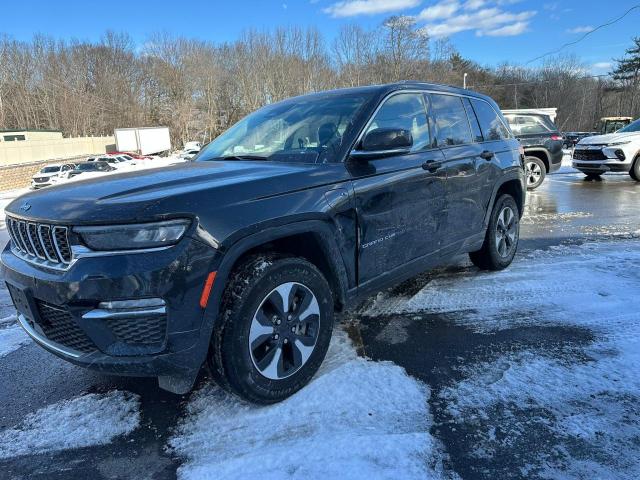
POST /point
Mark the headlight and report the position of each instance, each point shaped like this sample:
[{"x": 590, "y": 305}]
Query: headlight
[
  {"x": 131, "y": 237},
  {"x": 615, "y": 144}
]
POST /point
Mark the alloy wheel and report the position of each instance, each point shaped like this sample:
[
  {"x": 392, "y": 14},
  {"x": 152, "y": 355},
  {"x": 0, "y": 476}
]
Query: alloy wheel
[
  {"x": 534, "y": 172},
  {"x": 506, "y": 232},
  {"x": 284, "y": 331}
]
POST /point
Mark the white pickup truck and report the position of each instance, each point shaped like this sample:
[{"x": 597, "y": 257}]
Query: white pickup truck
[{"x": 615, "y": 152}]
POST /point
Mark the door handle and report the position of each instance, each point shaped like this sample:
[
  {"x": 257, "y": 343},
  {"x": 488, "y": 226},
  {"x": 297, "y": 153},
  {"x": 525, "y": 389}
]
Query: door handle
[
  {"x": 431, "y": 165},
  {"x": 487, "y": 155}
]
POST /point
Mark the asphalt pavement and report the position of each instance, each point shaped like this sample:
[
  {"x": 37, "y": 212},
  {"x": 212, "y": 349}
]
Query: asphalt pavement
[{"x": 437, "y": 348}]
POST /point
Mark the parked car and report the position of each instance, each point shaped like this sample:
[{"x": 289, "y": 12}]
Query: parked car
[
  {"x": 119, "y": 162},
  {"x": 91, "y": 167},
  {"x": 50, "y": 175},
  {"x": 542, "y": 144},
  {"x": 189, "y": 154},
  {"x": 133, "y": 155},
  {"x": 615, "y": 152},
  {"x": 191, "y": 146},
  {"x": 572, "y": 138},
  {"x": 240, "y": 258}
]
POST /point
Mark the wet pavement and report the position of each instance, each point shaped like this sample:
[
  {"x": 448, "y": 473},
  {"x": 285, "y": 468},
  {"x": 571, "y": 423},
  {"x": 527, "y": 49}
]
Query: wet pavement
[{"x": 440, "y": 349}]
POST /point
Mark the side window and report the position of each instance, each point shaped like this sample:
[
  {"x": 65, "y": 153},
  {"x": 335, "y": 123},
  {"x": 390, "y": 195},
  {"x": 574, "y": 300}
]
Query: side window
[
  {"x": 452, "y": 125},
  {"x": 490, "y": 123},
  {"x": 407, "y": 111},
  {"x": 473, "y": 121}
]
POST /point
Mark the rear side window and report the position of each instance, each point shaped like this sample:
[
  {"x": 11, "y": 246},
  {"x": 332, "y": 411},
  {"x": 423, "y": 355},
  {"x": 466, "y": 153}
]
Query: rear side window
[
  {"x": 407, "y": 111},
  {"x": 490, "y": 123},
  {"x": 452, "y": 125},
  {"x": 473, "y": 121}
]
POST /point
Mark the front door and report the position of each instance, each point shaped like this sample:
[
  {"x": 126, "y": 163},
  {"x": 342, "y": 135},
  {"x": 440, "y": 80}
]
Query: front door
[{"x": 400, "y": 199}]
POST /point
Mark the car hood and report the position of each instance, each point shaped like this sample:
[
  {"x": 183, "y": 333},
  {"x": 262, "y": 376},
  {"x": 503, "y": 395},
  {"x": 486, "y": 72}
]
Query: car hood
[
  {"x": 610, "y": 138},
  {"x": 154, "y": 193}
]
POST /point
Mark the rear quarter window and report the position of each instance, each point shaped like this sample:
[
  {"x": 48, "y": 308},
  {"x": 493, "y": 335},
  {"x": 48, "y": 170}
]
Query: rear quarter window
[{"x": 490, "y": 123}]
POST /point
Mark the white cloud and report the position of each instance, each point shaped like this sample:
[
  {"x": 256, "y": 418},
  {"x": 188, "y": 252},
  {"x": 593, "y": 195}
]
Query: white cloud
[
  {"x": 474, "y": 4},
  {"x": 507, "y": 31},
  {"x": 444, "y": 9},
  {"x": 581, "y": 29},
  {"x": 601, "y": 67},
  {"x": 449, "y": 17},
  {"x": 351, "y": 8}
]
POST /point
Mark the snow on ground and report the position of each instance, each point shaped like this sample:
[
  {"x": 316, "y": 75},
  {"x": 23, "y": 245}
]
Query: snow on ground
[
  {"x": 356, "y": 420},
  {"x": 12, "y": 336},
  {"x": 587, "y": 405},
  {"x": 92, "y": 419}
]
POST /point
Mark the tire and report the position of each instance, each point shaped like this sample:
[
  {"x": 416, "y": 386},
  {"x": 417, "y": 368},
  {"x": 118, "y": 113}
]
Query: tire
[
  {"x": 252, "y": 308},
  {"x": 535, "y": 172},
  {"x": 501, "y": 241},
  {"x": 635, "y": 170}
]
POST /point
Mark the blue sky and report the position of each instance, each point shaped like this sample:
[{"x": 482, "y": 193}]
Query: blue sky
[{"x": 487, "y": 31}]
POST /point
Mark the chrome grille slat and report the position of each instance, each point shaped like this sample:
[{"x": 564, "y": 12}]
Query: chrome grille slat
[
  {"x": 42, "y": 244},
  {"x": 44, "y": 231},
  {"x": 32, "y": 232},
  {"x": 22, "y": 228},
  {"x": 61, "y": 243}
]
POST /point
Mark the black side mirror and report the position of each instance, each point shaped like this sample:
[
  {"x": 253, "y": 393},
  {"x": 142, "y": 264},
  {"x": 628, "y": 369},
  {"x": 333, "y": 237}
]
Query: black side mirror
[{"x": 383, "y": 142}]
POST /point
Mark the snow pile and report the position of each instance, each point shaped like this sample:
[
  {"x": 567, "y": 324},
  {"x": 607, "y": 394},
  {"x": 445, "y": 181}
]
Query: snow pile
[
  {"x": 92, "y": 419},
  {"x": 584, "y": 408},
  {"x": 12, "y": 336},
  {"x": 356, "y": 419}
]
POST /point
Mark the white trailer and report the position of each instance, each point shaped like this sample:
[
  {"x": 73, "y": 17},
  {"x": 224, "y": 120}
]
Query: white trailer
[{"x": 145, "y": 141}]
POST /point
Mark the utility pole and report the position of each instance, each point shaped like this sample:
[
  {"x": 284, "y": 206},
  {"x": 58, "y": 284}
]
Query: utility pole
[{"x": 464, "y": 81}]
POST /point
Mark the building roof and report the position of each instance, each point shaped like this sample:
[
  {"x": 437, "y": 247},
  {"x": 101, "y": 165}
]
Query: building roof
[{"x": 29, "y": 130}]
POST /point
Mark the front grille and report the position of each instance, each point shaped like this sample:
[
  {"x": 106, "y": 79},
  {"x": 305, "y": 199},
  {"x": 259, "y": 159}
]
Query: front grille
[
  {"x": 40, "y": 179},
  {"x": 589, "y": 155},
  {"x": 40, "y": 243},
  {"x": 59, "y": 326},
  {"x": 139, "y": 331}
]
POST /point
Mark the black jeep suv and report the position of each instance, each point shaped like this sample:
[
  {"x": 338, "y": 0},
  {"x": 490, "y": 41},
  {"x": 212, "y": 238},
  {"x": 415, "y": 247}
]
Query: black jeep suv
[
  {"x": 240, "y": 258},
  {"x": 542, "y": 144}
]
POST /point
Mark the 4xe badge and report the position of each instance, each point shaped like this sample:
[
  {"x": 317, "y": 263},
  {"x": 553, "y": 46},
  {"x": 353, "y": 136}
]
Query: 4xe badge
[{"x": 25, "y": 207}]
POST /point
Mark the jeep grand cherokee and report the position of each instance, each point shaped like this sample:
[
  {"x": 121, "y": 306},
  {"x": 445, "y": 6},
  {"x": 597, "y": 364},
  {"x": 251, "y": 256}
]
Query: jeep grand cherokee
[{"x": 239, "y": 259}]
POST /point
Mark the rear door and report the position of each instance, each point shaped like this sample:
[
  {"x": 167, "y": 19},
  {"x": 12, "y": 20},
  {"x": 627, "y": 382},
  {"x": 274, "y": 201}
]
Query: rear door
[
  {"x": 462, "y": 149},
  {"x": 401, "y": 205},
  {"x": 499, "y": 141}
]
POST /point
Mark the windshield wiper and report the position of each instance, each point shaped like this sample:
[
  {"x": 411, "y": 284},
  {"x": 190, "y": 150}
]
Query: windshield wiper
[{"x": 244, "y": 157}]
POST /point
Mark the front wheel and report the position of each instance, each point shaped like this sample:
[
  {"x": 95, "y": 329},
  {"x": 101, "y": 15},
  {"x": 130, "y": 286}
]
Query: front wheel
[
  {"x": 501, "y": 241},
  {"x": 277, "y": 319},
  {"x": 635, "y": 170},
  {"x": 534, "y": 171}
]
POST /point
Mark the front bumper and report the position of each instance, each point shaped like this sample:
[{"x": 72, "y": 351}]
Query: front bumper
[
  {"x": 61, "y": 310},
  {"x": 603, "y": 159},
  {"x": 601, "y": 166}
]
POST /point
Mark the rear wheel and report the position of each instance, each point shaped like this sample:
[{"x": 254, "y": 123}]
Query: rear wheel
[
  {"x": 501, "y": 241},
  {"x": 534, "y": 171},
  {"x": 635, "y": 170},
  {"x": 275, "y": 330}
]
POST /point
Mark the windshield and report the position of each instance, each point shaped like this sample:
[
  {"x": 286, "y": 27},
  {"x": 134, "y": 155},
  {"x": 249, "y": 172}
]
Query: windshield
[
  {"x": 530, "y": 124},
  {"x": 50, "y": 170},
  {"x": 308, "y": 130},
  {"x": 632, "y": 127},
  {"x": 85, "y": 167}
]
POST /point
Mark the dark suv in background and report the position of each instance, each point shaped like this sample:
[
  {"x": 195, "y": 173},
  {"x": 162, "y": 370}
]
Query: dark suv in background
[
  {"x": 240, "y": 258},
  {"x": 542, "y": 144}
]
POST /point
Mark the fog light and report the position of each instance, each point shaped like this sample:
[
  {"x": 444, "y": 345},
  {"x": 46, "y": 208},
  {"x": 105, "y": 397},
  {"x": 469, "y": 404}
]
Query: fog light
[{"x": 620, "y": 154}]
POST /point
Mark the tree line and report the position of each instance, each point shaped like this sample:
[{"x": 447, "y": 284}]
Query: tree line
[{"x": 200, "y": 88}]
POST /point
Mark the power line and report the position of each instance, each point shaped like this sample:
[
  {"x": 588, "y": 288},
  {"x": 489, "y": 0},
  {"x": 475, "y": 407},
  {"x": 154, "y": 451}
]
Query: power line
[
  {"x": 534, "y": 82},
  {"x": 611, "y": 22}
]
